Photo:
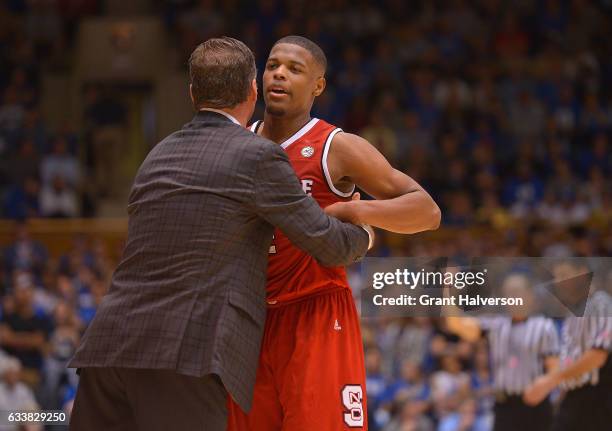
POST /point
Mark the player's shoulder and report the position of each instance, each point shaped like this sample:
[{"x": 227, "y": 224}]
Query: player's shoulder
[
  {"x": 348, "y": 147},
  {"x": 347, "y": 139}
]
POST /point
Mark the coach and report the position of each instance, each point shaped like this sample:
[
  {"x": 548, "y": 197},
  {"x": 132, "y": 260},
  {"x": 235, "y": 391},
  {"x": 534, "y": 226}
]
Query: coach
[{"x": 182, "y": 321}]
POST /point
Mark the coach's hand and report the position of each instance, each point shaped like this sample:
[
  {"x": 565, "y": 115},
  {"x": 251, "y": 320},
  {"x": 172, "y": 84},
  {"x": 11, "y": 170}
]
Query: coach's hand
[
  {"x": 539, "y": 390},
  {"x": 346, "y": 211},
  {"x": 349, "y": 212}
]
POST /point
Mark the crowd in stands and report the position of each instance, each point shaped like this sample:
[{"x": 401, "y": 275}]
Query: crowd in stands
[
  {"x": 47, "y": 171},
  {"x": 501, "y": 110},
  {"x": 47, "y": 302},
  {"x": 421, "y": 377}
]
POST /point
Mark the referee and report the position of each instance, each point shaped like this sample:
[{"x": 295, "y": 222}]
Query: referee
[
  {"x": 521, "y": 348},
  {"x": 585, "y": 371}
]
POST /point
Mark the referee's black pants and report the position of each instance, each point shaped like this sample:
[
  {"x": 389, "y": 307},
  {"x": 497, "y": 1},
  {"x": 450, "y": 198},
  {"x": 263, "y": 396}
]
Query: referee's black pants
[
  {"x": 588, "y": 408},
  {"x": 512, "y": 414}
]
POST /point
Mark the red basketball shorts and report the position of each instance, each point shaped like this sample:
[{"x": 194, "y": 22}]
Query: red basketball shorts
[{"x": 311, "y": 374}]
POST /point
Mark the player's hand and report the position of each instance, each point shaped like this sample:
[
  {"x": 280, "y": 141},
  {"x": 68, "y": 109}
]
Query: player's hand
[
  {"x": 539, "y": 390},
  {"x": 346, "y": 211}
]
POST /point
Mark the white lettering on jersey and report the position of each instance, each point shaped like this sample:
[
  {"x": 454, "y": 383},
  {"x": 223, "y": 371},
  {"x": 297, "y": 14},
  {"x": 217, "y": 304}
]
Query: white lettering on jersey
[{"x": 307, "y": 186}]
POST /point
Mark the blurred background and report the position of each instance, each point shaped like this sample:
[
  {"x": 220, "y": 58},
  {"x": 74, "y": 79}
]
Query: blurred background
[{"x": 502, "y": 110}]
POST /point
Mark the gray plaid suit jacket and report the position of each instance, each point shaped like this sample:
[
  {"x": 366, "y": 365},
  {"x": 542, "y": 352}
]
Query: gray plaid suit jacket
[{"x": 189, "y": 292}]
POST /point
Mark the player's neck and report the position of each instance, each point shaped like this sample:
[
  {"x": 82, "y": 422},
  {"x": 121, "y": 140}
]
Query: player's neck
[{"x": 281, "y": 128}]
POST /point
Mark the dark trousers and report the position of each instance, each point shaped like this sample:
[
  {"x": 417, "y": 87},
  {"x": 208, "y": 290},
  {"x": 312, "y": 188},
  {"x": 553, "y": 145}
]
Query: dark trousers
[
  {"x": 512, "y": 414},
  {"x": 587, "y": 409},
  {"x": 123, "y": 399}
]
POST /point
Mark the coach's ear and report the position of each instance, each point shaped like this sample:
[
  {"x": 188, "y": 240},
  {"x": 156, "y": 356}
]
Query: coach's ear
[
  {"x": 320, "y": 86},
  {"x": 191, "y": 95},
  {"x": 253, "y": 92}
]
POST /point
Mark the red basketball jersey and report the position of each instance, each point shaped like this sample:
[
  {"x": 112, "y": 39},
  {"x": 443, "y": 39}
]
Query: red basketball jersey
[{"x": 292, "y": 273}]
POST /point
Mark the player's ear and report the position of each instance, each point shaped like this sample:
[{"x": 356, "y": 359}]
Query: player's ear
[{"x": 320, "y": 86}]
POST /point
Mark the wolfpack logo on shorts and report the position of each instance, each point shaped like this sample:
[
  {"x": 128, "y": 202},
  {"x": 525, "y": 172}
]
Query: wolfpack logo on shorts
[
  {"x": 352, "y": 399},
  {"x": 292, "y": 273}
]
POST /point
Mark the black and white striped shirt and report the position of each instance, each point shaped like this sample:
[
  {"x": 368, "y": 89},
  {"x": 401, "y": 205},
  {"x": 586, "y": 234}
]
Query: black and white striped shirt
[
  {"x": 579, "y": 334},
  {"x": 518, "y": 350}
]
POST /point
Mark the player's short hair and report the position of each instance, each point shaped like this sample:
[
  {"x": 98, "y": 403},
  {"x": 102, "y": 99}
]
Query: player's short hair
[
  {"x": 314, "y": 49},
  {"x": 221, "y": 71}
]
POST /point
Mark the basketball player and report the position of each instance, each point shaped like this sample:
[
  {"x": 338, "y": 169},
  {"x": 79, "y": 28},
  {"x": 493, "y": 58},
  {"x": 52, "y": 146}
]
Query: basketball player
[{"x": 311, "y": 373}]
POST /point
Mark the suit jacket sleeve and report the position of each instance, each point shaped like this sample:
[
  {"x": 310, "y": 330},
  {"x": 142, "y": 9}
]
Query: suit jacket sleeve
[{"x": 280, "y": 200}]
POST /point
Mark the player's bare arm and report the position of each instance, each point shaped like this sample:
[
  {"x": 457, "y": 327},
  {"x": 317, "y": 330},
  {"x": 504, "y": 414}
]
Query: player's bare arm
[{"x": 401, "y": 204}]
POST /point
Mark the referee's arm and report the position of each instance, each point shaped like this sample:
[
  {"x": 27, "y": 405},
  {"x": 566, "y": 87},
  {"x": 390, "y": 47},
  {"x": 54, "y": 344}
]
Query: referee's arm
[
  {"x": 590, "y": 360},
  {"x": 593, "y": 358},
  {"x": 551, "y": 363}
]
